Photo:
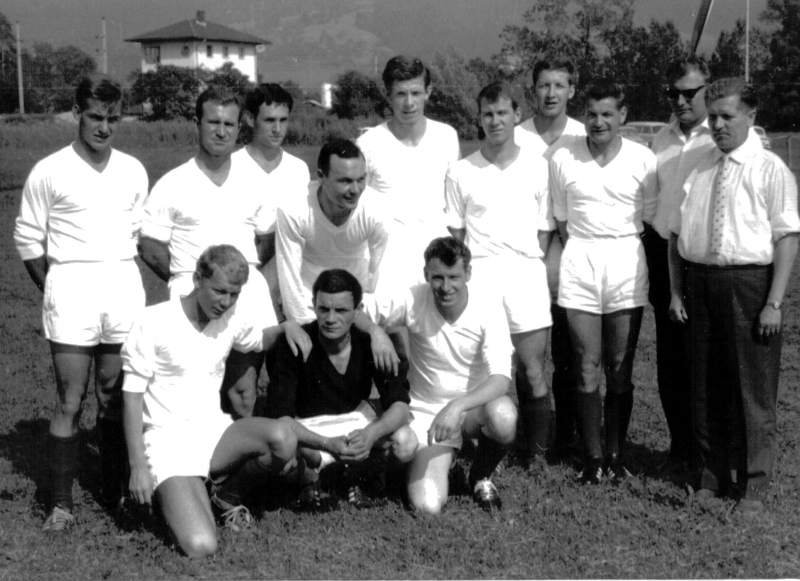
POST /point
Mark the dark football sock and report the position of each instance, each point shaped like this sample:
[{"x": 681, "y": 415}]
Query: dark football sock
[
  {"x": 564, "y": 400},
  {"x": 245, "y": 482},
  {"x": 488, "y": 455},
  {"x": 618, "y": 408},
  {"x": 536, "y": 424},
  {"x": 62, "y": 464},
  {"x": 113, "y": 459},
  {"x": 589, "y": 410}
]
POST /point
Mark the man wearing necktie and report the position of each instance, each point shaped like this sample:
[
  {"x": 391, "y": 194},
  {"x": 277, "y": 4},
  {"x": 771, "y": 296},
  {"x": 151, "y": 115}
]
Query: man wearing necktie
[{"x": 737, "y": 230}]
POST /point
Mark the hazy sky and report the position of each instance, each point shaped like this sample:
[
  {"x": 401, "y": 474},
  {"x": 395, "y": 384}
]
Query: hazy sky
[{"x": 300, "y": 28}]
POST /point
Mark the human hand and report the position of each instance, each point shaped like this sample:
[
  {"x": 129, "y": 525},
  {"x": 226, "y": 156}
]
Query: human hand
[
  {"x": 297, "y": 338},
  {"x": 769, "y": 321},
  {"x": 383, "y": 352},
  {"x": 447, "y": 423},
  {"x": 677, "y": 310}
]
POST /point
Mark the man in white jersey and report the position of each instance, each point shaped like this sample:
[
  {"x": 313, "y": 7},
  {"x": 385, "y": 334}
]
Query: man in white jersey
[
  {"x": 212, "y": 199},
  {"x": 76, "y": 233},
  {"x": 497, "y": 202},
  {"x": 407, "y": 159},
  {"x": 603, "y": 188},
  {"x": 336, "y": 225},
  {"x": 177, "y": 434},
  {"x": 736, "y": 232},
  {"x": 554, "y": 84},
  {"x": 460, "y": 372},
  {"x": 276, "y": 173},
  {"x": 677, "y": 147}
]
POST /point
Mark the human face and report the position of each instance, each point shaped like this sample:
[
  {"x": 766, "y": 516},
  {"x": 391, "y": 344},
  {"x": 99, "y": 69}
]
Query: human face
[
  {"x": 730, "y": 122},
  {"x": 271, "y": 125},
  {"x": 407, "y": 99},
  {"x": 344, "y": 184},
  {"x": 96, "y": 124},
  {"x": 335, "y": 313},
  {"x": 690, "y": 110},
  {"x": 449, "y": 284},
  {"x": 498, "y": 120},
  {"x": 603, "y": 119},
  {"x": 553, "y": 90},
  {"x": 217, "y": 294},
  {"x": 218, "y": 128}
]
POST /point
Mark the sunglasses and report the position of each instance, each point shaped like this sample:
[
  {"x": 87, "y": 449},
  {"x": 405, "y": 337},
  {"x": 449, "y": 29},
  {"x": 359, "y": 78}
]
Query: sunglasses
[{"x": 688, "y": 94}]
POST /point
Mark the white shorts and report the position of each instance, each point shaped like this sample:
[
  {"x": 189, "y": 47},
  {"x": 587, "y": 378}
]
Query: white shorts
[
  {"x": 184, "y": 450},
  {"x": 523, "y": 283},
  {"x": 254, "y": 302},
  {"x": 422, "y": 415},
  {"x": 331, "y": 426},
  {"x": 603, "y": 275},
  {"x": 88, "y": 303}
]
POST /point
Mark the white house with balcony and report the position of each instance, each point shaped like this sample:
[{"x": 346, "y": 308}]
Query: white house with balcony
[{"x": 199, "y": 43}]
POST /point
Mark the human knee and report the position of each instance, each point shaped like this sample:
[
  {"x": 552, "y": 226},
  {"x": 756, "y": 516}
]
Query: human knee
[
  {"x": 427, "y": 501},
  {"x": 501, "y": 420},
  {"x": 199, "y": 545},
  {"x": 282, "y": 442},
  {"x": 404, "y": 444},
  {"x": 69, "y": 402}
]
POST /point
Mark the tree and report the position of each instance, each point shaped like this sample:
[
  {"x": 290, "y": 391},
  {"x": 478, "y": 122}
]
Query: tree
[
  {"x": 8, "y": 67},
  {"x": 171, "y": 91},
  {"x": 51, "y": 75},
  {"x": 229, "y": 77},
  {"x": 781, "y": 105},
  {"x": 452, "y": 100},
  {"x": 357, "y": 95}
]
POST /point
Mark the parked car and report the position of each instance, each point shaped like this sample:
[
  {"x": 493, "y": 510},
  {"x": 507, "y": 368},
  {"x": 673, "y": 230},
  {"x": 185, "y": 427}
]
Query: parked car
[
  {"x": 632, "y": 134},
  {"x": 647, "y": 129},
  {"x": 765, "y": 141}
]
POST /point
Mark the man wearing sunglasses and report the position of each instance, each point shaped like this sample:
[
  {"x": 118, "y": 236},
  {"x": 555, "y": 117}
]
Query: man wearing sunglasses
[{"x": 676, "y": 147}]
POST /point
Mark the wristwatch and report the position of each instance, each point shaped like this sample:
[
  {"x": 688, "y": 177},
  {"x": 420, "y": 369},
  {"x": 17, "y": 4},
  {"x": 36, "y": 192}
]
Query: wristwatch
[{"x": 774, "y": 304}]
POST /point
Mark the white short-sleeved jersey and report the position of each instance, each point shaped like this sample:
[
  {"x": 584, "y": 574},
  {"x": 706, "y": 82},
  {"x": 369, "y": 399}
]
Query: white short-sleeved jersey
[
  {"x": 411, "y": 179},
  {"x": 308, "y": 243},
  {"x": 501, "y": 209},
  {"x": 289, "y": 180},
  {"x": 448, "y": 360},
  {"x": 525, "y": 135},
  {"x": 184, "y": 367},
  {"x": 190, "y": 213},
  {"x": 610, "y": 201},
  {"x": 79, "y": 214}
]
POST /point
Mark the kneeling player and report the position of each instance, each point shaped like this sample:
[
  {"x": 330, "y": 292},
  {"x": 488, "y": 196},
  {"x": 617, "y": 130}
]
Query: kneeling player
[
  {"x": 328, "y": 394},
  {"x": 460, "y": 371},
  {"x": 176, "y": 433}
]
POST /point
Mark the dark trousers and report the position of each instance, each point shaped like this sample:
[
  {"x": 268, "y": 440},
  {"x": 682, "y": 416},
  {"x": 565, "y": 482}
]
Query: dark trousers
[
  {"x": 671, "y": 357},
  {"x": 734, "y": 376}
]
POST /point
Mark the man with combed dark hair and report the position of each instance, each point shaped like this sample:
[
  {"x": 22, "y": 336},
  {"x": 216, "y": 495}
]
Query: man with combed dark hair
[
  {"x": 495, "y": 199},
  {"x": 603, "y": 188},
  {"x": 211, "y": 199},
  {"x": 76, "y": 233},
  {"x": 460, "y": 372},
  {"x": 336, "y": 225},
  {"x": 407, "y": 159},
  {"x": 554, "y": 85},
  {"x": 177, "y": 434},
  {"x": 275, "y": 173},
  {"x": 325, "y": 398},
  {"x": 736, "y": 232},
  {"x": 677, "y": 147}
]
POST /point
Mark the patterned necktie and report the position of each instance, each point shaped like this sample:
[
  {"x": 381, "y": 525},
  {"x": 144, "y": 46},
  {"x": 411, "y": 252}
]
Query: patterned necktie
[{"x": 721, "y": 193}]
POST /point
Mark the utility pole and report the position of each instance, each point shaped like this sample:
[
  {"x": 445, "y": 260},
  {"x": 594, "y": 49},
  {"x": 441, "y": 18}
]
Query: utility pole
[
  {"x": 19, "y": 73},
  {"x": 747, "y": 45},
  {"x": 104, "y": 52}
]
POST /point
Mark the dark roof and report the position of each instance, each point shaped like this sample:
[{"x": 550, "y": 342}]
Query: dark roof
[{"x": 191, "y": 30}]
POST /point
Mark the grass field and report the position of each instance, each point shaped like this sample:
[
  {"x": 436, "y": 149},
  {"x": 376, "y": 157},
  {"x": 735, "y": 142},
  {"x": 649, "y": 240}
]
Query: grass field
[{"x": 550, "y": 527}]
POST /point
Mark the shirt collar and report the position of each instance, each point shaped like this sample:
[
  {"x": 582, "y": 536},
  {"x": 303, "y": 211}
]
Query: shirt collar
[
  {"x": 745, "y": 151},
  {"x": 675, "y": 127}
]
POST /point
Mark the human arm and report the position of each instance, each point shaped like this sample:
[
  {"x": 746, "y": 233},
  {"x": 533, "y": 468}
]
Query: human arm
[
  {"x": 155, "y": 254},
  {"x": 450, "y": 419},
  {"x": 360, "y": 442},
  {"x": 289, "y": 244},
  {"x": 336, "y": 446},
  {"x": 296, "y": 338},
  {"x": 454, "y": 205},
  {"x": 141, "y": 481},
  {"x": 677, "y": 309},
  {"x": 769, "y": 320},
  {"x": 383, "y": 351}
]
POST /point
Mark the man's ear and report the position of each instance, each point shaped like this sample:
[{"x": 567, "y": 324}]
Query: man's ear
[
  {"x": 76, "y": 112},
  {"x": 623, "y": 113},
  {"x": 468, "y": 273},
  {"x": 320, "y": 175}
]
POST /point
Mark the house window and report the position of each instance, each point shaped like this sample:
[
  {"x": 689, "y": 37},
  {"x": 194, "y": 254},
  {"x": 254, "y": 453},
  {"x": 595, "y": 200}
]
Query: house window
[
  {"x": 152, "y": 54},
  {"x": 224, "y": 52},
  {"x": 209, "y": 50},
  {"x": 241, "y": 53}
]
